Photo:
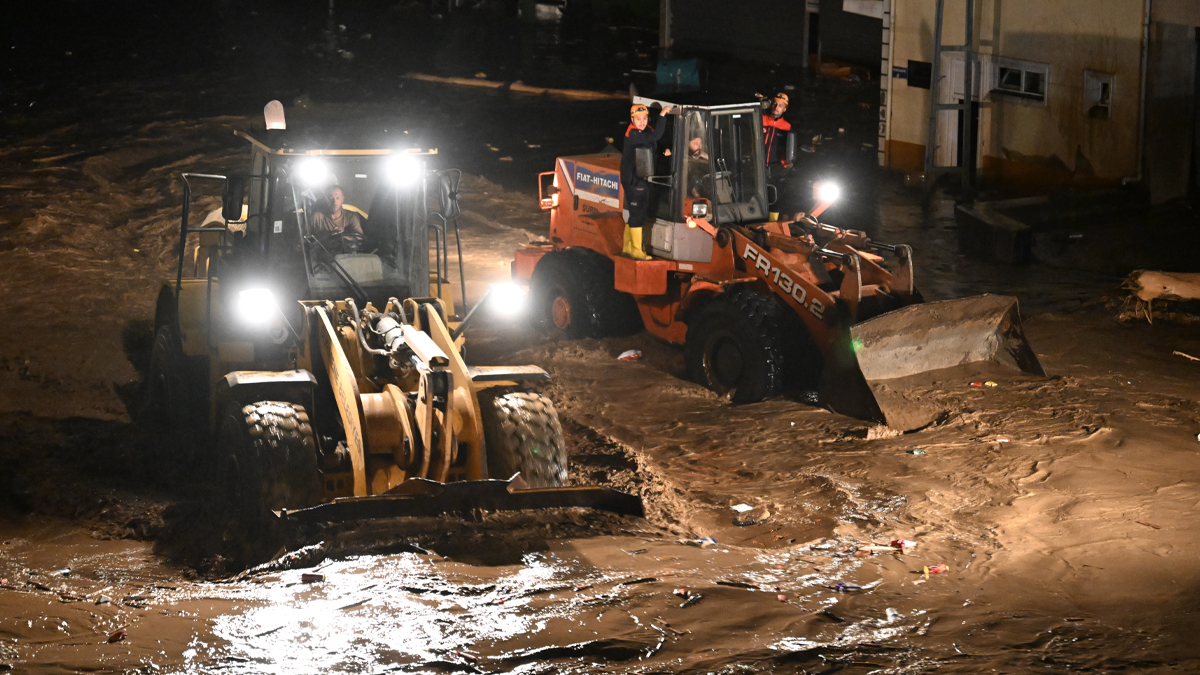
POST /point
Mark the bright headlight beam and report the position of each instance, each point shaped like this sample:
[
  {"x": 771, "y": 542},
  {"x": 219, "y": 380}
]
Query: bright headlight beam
[
  {"x": 257, "y": 306},
  {"x": 508, "y": 299},
  {"x": 829, "y": 192},
  {"x": 403, "y": 170},
  {"x": 312, "y": 171}
]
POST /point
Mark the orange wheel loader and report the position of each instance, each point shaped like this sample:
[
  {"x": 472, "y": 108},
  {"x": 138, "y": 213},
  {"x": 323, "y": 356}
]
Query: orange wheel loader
[{"x": 759, "y": 305}]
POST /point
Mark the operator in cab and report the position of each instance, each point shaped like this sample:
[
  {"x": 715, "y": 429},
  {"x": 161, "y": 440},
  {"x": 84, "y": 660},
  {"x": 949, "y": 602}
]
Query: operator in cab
[
  {"x": 339, "y": 229},
  {"x": 775, "y": 130},
  {"x": 637, "y": 190},
  {"x": 699, "y": 175}
]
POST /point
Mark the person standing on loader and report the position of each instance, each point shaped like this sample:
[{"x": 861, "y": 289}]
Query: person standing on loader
[
  {"x": 775, "y": 130},
  {"x": 637, "y": 190}
]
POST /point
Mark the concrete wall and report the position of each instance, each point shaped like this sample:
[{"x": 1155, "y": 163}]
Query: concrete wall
[
  {"x": 773, "y": 31},
  {"x": 848, "y": 37},
  {"x": 1027, "y": 145},
  {"x": 760, "y": 30},
  {"x": 1170, "y": 113},
  {"x": 1181, "y": 12}
]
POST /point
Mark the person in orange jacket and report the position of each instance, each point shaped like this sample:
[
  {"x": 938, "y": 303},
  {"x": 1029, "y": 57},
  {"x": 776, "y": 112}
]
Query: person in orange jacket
[{"x": 775, "y": 130}]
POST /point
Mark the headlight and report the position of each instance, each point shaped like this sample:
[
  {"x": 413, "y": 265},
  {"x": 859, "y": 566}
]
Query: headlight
[
  {"x": 700, "y": 208},
  {"x": 827, "y": 192},
  {"x": 257, "y": 306},
  {"x": 403, "y": 170},
  {"x": 507, "y": 299},
  {"x": 312, "y": 171}
]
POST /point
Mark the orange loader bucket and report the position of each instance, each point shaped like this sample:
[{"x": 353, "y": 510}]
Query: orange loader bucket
[{"x": 892, "y": 363}]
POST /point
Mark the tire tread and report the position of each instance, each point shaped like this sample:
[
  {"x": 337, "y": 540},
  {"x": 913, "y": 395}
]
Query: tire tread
[{"x": 523, "y": 434}]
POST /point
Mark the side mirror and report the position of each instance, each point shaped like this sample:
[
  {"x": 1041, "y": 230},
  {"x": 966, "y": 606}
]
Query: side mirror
[
  {"x": 232, "y": 198},
  {"x": 697, "y": 209},
  {"x": 644, "y": 162},
  {"x": 789, "y": 152},
  {"x": 547, "y": 191}
]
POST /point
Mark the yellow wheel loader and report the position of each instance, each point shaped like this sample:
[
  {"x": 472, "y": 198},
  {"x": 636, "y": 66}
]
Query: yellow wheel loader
[{"x": 307, "y": 348}]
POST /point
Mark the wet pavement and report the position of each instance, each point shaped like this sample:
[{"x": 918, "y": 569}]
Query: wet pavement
[{"x": 1062, "y": 508}]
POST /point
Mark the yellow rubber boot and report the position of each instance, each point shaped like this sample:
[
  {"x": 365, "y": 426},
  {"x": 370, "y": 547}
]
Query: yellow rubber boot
[
  {"x": 626, "y": 241},
  {"x": 635, "y": 244}
]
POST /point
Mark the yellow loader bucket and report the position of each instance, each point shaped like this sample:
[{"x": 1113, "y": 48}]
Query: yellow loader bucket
[{"x": 901, "y": 356}]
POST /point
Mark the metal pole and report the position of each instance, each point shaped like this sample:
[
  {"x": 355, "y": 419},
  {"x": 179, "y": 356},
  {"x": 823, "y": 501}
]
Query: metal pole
[
  {"x": 968, "y": 126},
  {"x": 183, "y": 233},
  {"x": 1141, "y": 129},
  {"x": 934, "y": 76},
  {"x": 462, "y": 275},
  {"x": 664, "y": 29},
  {"x": 887, "y": 154}
]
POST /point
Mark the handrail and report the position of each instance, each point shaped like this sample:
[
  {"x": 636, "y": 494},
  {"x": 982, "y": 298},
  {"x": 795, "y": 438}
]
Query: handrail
[
  {"x": 184, "y": 230},
  {"x": 448, "y": 212}
]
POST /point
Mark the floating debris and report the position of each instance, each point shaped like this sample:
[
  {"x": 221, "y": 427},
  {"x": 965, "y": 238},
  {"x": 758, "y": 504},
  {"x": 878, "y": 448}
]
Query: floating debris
[{"x": 934, "y": 569}]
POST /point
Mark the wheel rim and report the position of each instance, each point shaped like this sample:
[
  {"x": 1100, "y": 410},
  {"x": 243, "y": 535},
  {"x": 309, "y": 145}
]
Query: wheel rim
[
  {"x": 724, "y": 362},
  {"x": 560, "y": 312}
]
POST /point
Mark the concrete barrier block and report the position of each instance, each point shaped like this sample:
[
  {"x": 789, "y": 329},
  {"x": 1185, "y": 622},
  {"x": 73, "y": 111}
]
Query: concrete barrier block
[{"x": 988, "y": 235}]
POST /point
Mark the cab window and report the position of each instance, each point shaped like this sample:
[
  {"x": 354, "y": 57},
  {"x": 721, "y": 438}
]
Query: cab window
[{"x": 697, "y": 158}]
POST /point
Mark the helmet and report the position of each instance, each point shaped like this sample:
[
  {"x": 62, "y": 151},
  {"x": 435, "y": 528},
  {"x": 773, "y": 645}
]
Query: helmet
[
  {"x": 780, "y": 97},
  {"x": 638, "y": 109}
]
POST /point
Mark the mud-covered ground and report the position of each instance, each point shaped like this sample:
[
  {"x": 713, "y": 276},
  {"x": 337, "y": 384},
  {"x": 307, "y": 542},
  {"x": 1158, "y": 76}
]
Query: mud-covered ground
[{"x": 1063, "y": 507}]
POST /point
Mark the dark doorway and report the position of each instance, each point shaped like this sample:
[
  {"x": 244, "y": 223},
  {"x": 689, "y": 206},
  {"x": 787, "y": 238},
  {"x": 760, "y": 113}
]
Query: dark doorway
[
  {"x": 814, "y": 35},
  {"x": 971, "y": 145}
]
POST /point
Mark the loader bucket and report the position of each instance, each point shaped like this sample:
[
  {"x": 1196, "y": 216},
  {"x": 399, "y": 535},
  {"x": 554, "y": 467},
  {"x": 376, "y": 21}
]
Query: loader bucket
[
  {"x": 901, "y": 354},
  {"x": 423, "y": 498}
]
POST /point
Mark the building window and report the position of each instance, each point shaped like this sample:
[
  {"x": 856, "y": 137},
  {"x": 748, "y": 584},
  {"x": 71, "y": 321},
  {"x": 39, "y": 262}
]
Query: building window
[
  {"x": 1097, "y": 94},
  {"x": 1021, "y": 79},
  {"x": 920, "y": 74}
]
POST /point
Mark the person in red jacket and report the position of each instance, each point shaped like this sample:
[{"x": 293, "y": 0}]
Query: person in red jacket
[{"x": 775, "y": 130}]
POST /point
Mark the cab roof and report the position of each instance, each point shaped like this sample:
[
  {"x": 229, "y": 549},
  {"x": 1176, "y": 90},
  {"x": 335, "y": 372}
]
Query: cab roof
[
  {"x": 288, "y": 142},
  {"x": 697, "y": 100}
]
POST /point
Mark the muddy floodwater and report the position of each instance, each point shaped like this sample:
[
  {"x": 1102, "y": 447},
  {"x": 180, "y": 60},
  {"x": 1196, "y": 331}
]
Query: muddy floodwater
[{"x": 1050, "y": 522}]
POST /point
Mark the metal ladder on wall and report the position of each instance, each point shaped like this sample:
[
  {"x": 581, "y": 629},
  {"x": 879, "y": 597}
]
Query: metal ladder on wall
[{"x": 966, "y": 131}]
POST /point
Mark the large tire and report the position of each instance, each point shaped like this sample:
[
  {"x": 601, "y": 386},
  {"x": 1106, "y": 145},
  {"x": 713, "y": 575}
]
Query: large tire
[
  {"x": 802, "y": 358},
  {"x": 523, "y": 435},
  {"x": 172, "y": 407},
  {"x": 574, "y": 296},
  {"x": 736, "y": 345},
  {"x": 268, "y": 457}
]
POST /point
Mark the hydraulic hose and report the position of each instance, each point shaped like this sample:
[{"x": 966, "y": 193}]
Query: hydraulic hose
[{"x": 362, "y": 339}]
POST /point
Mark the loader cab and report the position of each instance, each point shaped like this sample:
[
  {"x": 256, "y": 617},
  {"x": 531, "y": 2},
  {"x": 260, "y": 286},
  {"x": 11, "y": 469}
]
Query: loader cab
[
  {"x": 284, "y": 244},
  {"x": 716, "y": 154},
  {"x": 243, "y": 269}
]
